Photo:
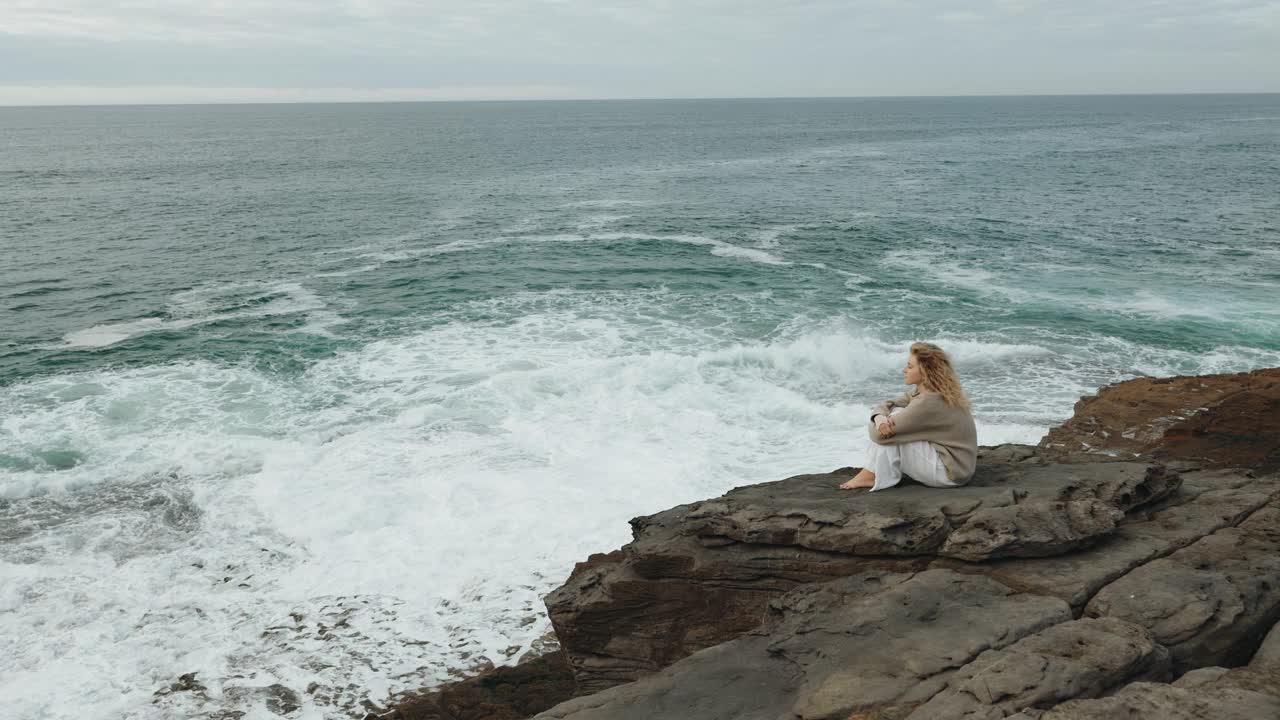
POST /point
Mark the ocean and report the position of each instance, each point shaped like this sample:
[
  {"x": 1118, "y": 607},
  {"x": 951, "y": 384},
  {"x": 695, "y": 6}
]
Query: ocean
[{"x": 318, "y": 401}]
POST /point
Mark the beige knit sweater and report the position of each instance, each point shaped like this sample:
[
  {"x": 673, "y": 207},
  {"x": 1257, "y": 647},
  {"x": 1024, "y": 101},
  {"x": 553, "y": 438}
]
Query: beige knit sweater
[{"x": 926, "y": 416}]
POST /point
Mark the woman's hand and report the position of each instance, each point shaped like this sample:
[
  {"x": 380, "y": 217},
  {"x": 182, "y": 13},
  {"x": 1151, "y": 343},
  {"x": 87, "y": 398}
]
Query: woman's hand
[{"x": 884, "y": 426}]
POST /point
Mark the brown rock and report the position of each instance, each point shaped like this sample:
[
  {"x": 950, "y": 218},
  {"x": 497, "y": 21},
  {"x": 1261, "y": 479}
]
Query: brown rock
[
  {"x": 1211, "y": 602},
  {"x": 1207, "y": 501},
  {"x": 670, "y": 596},
  {"x": 1251, "y": 692},
  {"x": 873, "y": 645},
  {"x": 1023, "y": 510},
  {"x": 1081, "y": 658},
  {"x": 701, "y": 574},
  {"x": 1034, "y": 529},
  {"x": 1221, "y": 420},
  {"x": 1156, "y": 701},
  {"x": 505, "y": 693}
]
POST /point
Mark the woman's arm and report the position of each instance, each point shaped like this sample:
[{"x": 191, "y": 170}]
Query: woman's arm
[
  {"x": 923, "y": 419},
  {"x": 887, "y": 406}
]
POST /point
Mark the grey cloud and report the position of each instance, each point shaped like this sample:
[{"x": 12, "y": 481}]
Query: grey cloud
[{"x": 627, "y": 48}]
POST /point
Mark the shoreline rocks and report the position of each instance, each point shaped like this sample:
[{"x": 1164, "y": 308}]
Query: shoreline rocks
[
  {"x": 870, "y": 641},
  {"x": 1213, "y": 420},
  {"x": 504, "y": 693},
  {"x": 1135, "y": 544},
  {"x": 701, "y": 574}
]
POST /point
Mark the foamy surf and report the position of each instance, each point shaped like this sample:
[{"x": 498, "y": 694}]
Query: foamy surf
[
  {"x": 207, "y": 305},
  {"x": 405, "y": 532},
  {"x": 719, "y": 248}
]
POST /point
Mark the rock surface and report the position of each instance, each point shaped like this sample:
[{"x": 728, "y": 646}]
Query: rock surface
[
  {"x": 701, "y": 574},
  {"x": 1251, "y": 692},
  {"x": 1206, "y": 502},
  {"x": 1268, "y": 655},
  {"x": 1210, "y": 602},
  {"x": 1077, "y": 659},
  {"x": 875, "y": 644},
  {"x": 1008, "y": 509},
  {"x": 1156, "y": 701},
  {"x": 1222, "y": 420},
  {"x": 505, "y": 693}
]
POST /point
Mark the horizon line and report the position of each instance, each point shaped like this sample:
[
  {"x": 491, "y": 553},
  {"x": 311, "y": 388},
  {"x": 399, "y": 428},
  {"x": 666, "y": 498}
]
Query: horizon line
[{"x": 638, "y": 98}]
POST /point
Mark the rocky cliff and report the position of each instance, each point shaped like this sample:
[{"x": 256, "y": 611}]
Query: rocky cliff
[{"x": 1139, "y": 543}]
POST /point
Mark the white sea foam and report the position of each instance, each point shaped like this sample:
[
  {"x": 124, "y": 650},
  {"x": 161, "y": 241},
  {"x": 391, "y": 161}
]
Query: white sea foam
[
  {"x": 1151, "y": 304},
  {"x": 460, "y": 246},
  {"x": 770, "y": 237},
  {"x": 381, "y": 251},
  {"x": 384, "y": 257},
  {"x": 973, "y": 352},
  {"x": 546, "y": 238},
  {"x": 104, "y": 335},
  {"x": 855, "y": 280},
  {"x": 606, "y": 203},
  {"x": 427, "y": 490},
  {"x": 948, "y": 271},
  {"x": 204, "y": 305},
  {"x": 349, "y": 272},
  {"x": 718, "y": 247},
  {"x": 598, "y": 220},
  {"x": 395, "y": 513},
  {"x": 760, "y": 256}
]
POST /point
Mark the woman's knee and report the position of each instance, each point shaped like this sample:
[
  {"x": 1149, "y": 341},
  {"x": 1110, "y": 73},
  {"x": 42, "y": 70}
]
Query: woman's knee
[{"x": 889, "y": 450}]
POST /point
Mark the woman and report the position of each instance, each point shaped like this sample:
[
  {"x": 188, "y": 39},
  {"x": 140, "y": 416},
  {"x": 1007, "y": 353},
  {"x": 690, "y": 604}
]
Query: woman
[{"x": 927, "y": 434}]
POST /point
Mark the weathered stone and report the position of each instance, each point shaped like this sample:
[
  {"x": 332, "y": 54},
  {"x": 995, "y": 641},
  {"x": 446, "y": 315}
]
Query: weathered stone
[
  {"x": 1251, "y": 692},
  {"x": 505, "y": 693},
  {"x": 1031, "y": 530},
  {"x": 1019, "y": 511},
  {"x": 1243, "y": 693},
  {"x": 1211, "y": 602},
  {"x": 1199, "y": 676},
  {"x": 872, "y": 645},
  {"x": 1225, "y": 420},
  {"x": 700, "y": 574},
  {"x": 1207, "y": 501},
  {"x": 1081, "y": 658},
  {"x": 669, "y": 596},
  {"x": 1158, "y": 701},
  {"x": 1268, "y": 654}
]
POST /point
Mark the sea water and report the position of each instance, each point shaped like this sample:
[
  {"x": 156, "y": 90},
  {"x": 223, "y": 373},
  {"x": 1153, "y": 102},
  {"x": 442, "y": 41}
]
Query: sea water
[{"x": 318, "y": 401}]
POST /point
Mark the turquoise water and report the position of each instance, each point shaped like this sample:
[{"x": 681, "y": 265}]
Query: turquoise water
[{"x": 410, "y": 362}]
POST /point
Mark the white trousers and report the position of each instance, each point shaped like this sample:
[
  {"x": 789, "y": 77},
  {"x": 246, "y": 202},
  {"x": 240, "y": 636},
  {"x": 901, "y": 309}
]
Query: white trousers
[{"x": 917, "y": 459}]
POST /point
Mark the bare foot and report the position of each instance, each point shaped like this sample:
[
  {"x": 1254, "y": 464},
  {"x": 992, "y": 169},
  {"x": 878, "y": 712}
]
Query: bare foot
[{"x": 864, "y": 479}]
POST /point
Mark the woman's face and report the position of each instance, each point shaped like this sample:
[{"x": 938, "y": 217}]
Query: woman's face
[{"x": 911, "y": 373}]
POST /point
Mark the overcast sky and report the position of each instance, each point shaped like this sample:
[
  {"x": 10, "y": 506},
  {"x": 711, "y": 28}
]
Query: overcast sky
[{"x": 93, "y": 51}]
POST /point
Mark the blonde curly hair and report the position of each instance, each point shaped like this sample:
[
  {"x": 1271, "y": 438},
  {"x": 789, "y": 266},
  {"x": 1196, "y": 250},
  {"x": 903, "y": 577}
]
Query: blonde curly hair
[{"x": 937, "y": 374}]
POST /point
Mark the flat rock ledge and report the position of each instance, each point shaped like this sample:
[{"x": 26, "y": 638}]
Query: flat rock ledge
[
  {"x": 941, "y": 644},
  {"x": 700, "y": 574}
]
